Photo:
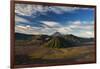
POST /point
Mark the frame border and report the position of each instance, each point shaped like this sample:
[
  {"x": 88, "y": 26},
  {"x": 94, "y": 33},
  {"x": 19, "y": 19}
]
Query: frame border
[{"x": 12, "y": 30}]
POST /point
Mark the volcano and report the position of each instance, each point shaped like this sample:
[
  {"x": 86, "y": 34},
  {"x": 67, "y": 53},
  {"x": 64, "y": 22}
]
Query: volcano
[
  {"x": 57, "y": 34},
  {"x": 56, "y": 42},
  {"x": 63, "y": 41}
]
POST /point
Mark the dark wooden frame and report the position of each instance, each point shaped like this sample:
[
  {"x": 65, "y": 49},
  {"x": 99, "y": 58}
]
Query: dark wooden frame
[{"x": 44, "y": 3}]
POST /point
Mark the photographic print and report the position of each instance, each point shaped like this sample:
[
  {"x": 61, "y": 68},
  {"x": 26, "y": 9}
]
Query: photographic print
[{"x": 53, "y": 34}]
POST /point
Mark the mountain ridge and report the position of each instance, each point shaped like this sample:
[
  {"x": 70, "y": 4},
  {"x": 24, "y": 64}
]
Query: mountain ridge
[{"x": 56, "y": 40}]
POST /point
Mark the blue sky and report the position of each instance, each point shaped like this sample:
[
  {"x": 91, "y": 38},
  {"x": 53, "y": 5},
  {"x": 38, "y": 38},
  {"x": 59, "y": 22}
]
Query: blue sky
[{"x": 38, "y": 19}]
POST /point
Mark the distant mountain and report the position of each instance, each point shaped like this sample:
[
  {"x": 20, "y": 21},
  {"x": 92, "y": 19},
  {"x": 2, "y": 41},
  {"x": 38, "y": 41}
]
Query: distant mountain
[
  {"x": 78, "y": 39},
  {"x": 21, "y": 36},
  {"x": 57, "y": 40},
  {"x": 64, "y": 41},
  {"x": 30, "y": 40},
  {"x": 57, "y": 34},
  {"x": 61, "y": 42}
]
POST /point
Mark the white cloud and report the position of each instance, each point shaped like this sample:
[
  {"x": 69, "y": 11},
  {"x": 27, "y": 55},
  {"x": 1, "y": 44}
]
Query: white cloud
[
  {"x": 81, "y": 29},
  {"x": 86, "y": 22},
  {"x": 56, "y": 27},
  {"x": 62, "y": 30},
  {"x": 89, "y": 33},
  {"x": 19, "y": 19},
  {"x": 51, "y": 23},
  {"x": 49, "y": 27},
  {"x": 26, "y": 29},
  {"x": 86, "y": 25},
  {"x": 77, "y": 22},
  {"x": 30, "y": 9},
  {"x": 22, "y": 27},
  {"x": 33, "y": 30},
  {"x": 23, "y": 9},
  {"x": 61, "y": 9}
]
